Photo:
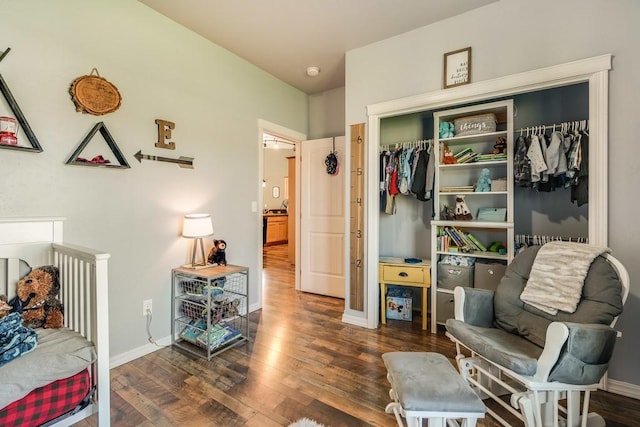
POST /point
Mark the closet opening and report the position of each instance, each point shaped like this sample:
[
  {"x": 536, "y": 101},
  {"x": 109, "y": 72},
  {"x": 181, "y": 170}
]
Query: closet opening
[
  {"x": 551, "y": 209},
  {"x": 570, "y": 94}
]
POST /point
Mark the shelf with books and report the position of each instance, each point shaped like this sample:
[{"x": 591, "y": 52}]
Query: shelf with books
[
  {"x": 498, "y": 225},
  {"x": 479, "y": 255},
  {"x": 473, "y": 138},
  {"x": 489, "y": 239}
]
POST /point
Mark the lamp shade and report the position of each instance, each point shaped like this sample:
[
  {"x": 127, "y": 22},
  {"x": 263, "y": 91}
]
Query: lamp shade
[{"x": 197, "y": 225}]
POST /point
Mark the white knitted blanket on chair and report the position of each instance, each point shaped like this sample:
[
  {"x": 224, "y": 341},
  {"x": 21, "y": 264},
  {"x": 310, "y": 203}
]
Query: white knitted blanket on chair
[{"x": 557, "y": 276}]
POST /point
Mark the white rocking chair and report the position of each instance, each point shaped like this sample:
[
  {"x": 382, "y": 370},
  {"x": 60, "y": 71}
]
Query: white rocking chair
[{"x": 506, "y": 353}]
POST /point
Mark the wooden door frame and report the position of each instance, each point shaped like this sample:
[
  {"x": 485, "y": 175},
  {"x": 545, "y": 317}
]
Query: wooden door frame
[
  {"x": 594, "y": 70},
  {"x": 296, "y": 137}
]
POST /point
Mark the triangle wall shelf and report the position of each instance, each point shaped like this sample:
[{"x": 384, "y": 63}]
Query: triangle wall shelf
[
  {"x": 102, "y": 128},
  {"x": 24, "y": 125}
]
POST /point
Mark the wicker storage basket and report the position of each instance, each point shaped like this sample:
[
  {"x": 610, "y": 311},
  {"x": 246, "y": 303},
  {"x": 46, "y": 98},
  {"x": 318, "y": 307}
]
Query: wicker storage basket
[{"x": 472, "y": 125}]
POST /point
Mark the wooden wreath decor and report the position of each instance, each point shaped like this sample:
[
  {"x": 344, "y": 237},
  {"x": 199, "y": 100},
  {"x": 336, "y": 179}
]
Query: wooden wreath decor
[{"x": 94, "y": 95}]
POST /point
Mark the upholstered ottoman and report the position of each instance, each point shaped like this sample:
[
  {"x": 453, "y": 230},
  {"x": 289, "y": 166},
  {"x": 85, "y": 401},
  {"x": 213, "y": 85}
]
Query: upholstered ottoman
[{"x": 426, "y": 385}]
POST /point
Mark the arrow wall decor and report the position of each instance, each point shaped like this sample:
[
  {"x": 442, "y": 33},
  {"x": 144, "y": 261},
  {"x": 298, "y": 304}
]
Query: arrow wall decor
[{"x": 183, "y": 162}]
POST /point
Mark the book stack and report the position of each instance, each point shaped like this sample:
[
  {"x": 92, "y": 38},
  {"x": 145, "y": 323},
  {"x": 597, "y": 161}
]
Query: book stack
[
  {"x": 457, "y": 189},
  {"x": 466, "y": 155},
  {"x": 217, "y": 335},
  {"x": 490, "y": 157},
  {"x": 453, "y": 239}
]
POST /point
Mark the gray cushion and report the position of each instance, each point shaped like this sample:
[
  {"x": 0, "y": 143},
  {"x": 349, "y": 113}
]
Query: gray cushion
[
  {"x": 428, "y": 382},
  {"x": 601, "y": 299},
  {"x": 478, "y": 307},
  {"x": 504, "y": 348},
  {"x": 586, "y": 356}
]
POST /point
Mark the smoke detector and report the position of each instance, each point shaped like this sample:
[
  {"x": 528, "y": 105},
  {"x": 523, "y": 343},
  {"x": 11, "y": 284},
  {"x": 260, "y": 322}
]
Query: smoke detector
[{"x": 313, "y": 71}]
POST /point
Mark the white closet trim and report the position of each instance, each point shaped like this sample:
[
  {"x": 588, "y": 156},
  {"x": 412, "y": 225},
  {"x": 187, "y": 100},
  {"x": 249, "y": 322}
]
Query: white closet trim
[{"x": 593, "y": 70}]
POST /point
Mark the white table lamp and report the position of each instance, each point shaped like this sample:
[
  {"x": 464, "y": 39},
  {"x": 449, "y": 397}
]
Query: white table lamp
[{"x": 197, "y": 226}]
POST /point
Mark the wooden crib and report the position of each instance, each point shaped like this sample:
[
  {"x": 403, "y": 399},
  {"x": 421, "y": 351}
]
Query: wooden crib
[{"x": 83, "y": 292}]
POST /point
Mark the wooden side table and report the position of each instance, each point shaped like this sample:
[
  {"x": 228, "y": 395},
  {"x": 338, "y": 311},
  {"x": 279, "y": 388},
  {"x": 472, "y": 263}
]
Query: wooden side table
[{"x": 395, "y": 271}]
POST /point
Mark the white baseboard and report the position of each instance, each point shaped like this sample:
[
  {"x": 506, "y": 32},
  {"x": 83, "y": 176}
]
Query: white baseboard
[
  {"x": 354, "y": 320},
  {"x": 623, "y": 389},
  {"x": 128, "y": 356},
  {"x": 254, "y": 307}
]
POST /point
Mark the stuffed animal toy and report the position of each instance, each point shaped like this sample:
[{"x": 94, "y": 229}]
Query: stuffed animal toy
[
  {"x": 5, "y": 308},
  {"x": 497, "y": 247},
  {"x": 447, "y": 213},
  {"x": 462, "y": 210},
  {"x": 217, "y": 254},
  {"x": 446, "y": 130},
  {"x": 500, "y": 147},
  {"x": 37, "y": 292},
  {"x": 484, "y": 181},
  {"x": 229, "y": 308},
  {"x": 448, "y": 158}
]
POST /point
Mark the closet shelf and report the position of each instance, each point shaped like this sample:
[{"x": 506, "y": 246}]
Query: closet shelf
[
  {"x": 498, "y": 225},
  {"x": 476, "y": 254},
  {"x": 444, "y": 193},
  {"x": 475, "y": 164},
  {"x": 474, "y": 138},
  {"x": 450, "y": 237}
]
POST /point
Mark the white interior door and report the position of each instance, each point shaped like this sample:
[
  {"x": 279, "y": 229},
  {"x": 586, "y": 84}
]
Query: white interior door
[{"x": 322, "y": 220}]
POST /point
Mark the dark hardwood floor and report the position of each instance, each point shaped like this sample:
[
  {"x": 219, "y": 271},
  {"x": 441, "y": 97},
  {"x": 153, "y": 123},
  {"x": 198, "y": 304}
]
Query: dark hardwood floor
[{"x": 301, "y": 361}]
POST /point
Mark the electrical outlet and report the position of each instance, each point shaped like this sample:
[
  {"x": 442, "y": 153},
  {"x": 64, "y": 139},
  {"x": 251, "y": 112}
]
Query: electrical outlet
[{"x": 147, "y": 307}]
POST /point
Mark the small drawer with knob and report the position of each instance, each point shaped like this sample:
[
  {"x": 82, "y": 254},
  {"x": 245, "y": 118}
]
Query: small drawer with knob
[{"x": 401, "y": 274}]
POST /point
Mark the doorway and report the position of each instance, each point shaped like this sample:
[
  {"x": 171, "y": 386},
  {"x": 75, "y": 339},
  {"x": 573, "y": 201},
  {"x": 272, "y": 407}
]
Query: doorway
[
  {"x": 278, "y": 194},
  {"x": 272, "y": 192}
]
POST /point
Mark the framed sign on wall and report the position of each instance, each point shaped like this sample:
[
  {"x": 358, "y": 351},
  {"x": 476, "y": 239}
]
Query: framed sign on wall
[{"x": 457, "y": 68}]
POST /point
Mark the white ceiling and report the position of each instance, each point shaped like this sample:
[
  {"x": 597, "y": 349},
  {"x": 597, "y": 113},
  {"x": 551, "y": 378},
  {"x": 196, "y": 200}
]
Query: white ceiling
[{"x": 284, "y": 37}]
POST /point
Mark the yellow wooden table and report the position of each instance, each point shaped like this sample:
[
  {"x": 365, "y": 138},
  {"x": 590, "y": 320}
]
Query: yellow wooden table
[{"x": 395, "y": 271}]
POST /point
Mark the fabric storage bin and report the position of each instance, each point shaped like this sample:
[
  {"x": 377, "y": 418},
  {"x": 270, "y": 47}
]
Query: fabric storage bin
[
  {"x": 473, "y": 125},
  {"x": 398, "y": 303},
  {"x": 450, "y": 276},
  {"x": 499, "y": 184},
  {"x": 488, "y": 275},
  {"x": 446, "y": 307}
]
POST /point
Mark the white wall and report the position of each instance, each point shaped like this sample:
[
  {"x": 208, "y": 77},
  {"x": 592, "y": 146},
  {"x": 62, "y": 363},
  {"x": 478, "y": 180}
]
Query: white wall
[
  {"x": 513, "y": 36},
  {"x": 162, "y": 71}
]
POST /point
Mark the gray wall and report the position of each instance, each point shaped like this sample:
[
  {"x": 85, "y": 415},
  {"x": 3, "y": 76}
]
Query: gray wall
[
  {"x": 405, "y": 233},
  {"x": 550, "y": 213},
  {"x": 504, "y": 43},
  {"x": 326, "y": 114},
  {"x": 162, "y": 71}
]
